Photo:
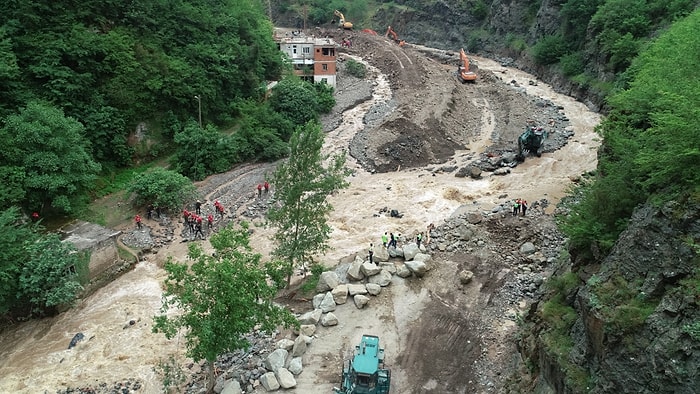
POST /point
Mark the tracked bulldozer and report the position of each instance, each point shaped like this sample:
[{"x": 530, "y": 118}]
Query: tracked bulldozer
[
  {"x": 365, "y": 373},
  {"x": 530, "y": 142}
]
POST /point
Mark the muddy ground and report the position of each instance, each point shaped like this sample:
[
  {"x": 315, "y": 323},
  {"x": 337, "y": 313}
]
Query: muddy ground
[{"x": 408, "y": 126}]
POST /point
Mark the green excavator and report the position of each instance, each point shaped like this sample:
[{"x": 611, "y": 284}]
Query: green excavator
[
  {"x": 530, "y": 142},
  {"x": 365, "y": 372}
]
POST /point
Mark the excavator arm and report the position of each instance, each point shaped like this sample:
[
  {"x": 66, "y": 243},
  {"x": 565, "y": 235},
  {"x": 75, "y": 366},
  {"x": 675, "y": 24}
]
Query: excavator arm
[
  {"x": 341, "y": 20},
  {"x": 464, "y": 73}
]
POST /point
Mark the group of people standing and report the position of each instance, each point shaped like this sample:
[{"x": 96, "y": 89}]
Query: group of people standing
[
  {"x": 390, "y": 240},
  {"x": 261, "y": 186},
  {"x": 519, "y": 206}
]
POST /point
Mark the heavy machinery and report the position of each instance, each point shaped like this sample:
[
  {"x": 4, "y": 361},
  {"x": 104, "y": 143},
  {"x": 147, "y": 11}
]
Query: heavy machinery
[
  {"x": 365, "y": 372},
  {"x": 341, "y": 20},
  {"x": 395, "y": 37},
  {"x": 530, "y": 142},
  {"x": 464, "y": 74}
]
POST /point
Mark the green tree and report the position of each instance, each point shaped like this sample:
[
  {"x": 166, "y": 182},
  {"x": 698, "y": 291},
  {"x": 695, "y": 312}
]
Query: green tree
[
  {"x": 203, "y": 151},
  {"x": 296, "y": 100},
  {"x": 163, "y": 188},
  {"x": 45, "y": 153},
  {"x": 15, "y": 233},
  {"x": 219, "y": 299},
  {"x": 302, "y": 185},
  {"x": 50, "y": 276}
]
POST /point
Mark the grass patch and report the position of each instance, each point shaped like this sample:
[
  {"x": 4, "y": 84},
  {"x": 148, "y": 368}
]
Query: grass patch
[
  {"x": 311, "y": 281},
  {"x": 620, "y": 303}
]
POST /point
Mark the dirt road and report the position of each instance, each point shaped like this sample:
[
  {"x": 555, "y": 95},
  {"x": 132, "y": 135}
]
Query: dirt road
[{"x": 439, "y": 337}]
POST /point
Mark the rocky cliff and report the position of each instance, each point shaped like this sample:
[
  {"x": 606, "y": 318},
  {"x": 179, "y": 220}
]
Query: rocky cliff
[{"x": 629, "y": 325}]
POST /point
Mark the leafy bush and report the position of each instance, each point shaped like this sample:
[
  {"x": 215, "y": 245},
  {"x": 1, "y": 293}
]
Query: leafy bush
[
  {"x": 571, "y": 64},
  {"x": 549, "y": 49},
  {"x": 356, "y": 69},
  {"x": 163, "y": 188}
]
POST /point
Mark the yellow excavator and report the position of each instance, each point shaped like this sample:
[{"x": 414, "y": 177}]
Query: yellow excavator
[
  {"x": 464, "y": 74},
  {"x": 395, "y": 37},
  {"x": 341, "y": 21}
]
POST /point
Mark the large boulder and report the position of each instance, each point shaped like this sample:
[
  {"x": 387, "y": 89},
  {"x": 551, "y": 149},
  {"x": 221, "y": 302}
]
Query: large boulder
[
  {"x": 232, "y": 386},
  {"x": 381, "y": 254},
  {"x": 316, "y": 301},
  {"x": 410, "y": 250},
  {"x": 295, "y": 366},
  {"x": 285, "y": 378},
  {"x": 360, "y": 301},
  {"x": 307, "y": 330},
  {"x": 269, "y": 381},
  {"x": 424, "y": 257},
  {"x": 275, "y": 360},
  {"x": 417, "y": 267},
  {"x": 402, "y": 271},
  {"x": 328, "y": 303},
  {"x": 285, "y": 344},
  {"x": 383, "y": 279},
  {"x": 527, "y": 248},
  {"x": 355, "y": 271},
  {"x": 329, "y": 319},
  {"x": 390, "y": 267},
  {"x": 373, "y": 288},
  {"x": 395, "y": 252},
  {"x": 311, "y": 317},
  {"x": 299, "y": 347},
  {"x": 340, "y": 294},
  {"x": 354, "y": 289},
  {"x": 327, "y": 281},
  {"x": 369, "y": 269}
]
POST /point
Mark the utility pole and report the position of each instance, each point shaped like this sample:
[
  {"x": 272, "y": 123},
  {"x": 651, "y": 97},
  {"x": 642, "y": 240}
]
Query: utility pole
[{"x": 199, "y": 101}]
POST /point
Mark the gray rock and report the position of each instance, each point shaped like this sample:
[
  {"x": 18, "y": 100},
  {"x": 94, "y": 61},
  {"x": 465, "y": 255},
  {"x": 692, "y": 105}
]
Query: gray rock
[
  {"x": 299, "y": 347},
  {"x": 269, "y": 381},
  {"x": 355, "y": 271},
  {"x": 360, "y": 301},
  {"x": 383, "y": 279},
  {"x": 316, "y": 301},
  {"x": 527, "y": 248},
  {"x": 474, "y": 218},
  {"x": 285, "y": 344},
  {"x": 327, "y": 281},
  {"x": 396, "y": 252},
  {"x": 424, "y": 257},
  {"x": 354, "y": 289},
  {"x": 410, "y": 250},
  {"x": 306, "y": 330},
  {"x": 502, "y": 171},
  {"x": 381, "y": 254},
  {"x": 403, "y": 272},
  {"x": 285, "y": 378},
  {"x": 295, "y": 366},
  {"x": 369, "y": 269},
  {"x": 340, "y": 294},
  {"x": 311, "y": 317},
  {"x": 329, "y": 319},
  {"x": 275, "y": 360},
  {"x": 374, "y": 289},
  {"x": 232, "y": 386},
  {"x": 328, "y": 303},
  {"x": 465, "y": 276},
  {"x": 389, "y": 267},
  {"x": 418, "y": 268}
]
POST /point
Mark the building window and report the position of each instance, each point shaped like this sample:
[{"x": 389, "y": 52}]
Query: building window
[
  {"x": 306, "y": 50},
  {"x": 294, "y": 49},
  {"x": 324, "y": 67},
  {"x": 328, "y": 51}
]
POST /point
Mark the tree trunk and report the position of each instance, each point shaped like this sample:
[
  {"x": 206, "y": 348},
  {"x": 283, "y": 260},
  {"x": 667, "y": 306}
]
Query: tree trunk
[{"x": 211, "y": 378}]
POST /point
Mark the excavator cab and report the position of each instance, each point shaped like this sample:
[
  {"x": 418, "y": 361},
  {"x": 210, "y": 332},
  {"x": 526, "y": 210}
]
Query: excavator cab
[
  {"x": 530, "y": 142},
  {"x": 365, "y": 372}
]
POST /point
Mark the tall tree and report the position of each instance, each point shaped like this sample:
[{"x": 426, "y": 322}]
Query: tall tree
[
  {"x": 163, "y": 188},
  {"x": 46, "y": 155},
  {"x": 219, "y": 298},
  {"x": 300, "y": 207}
]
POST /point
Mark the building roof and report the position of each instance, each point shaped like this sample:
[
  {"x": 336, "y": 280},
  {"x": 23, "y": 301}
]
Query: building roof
[{"x": 85, "y": 235}]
